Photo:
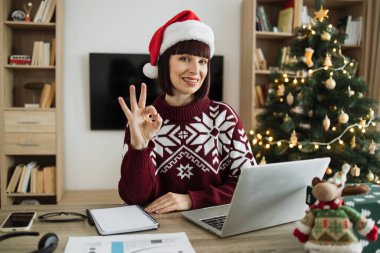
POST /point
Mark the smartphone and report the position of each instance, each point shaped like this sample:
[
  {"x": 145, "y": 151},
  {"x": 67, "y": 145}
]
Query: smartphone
[{"x": 18, "y": 221}]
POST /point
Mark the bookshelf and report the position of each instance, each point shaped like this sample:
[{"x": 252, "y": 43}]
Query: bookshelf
[
  {"x": 271, "y": 42},
  {"x": 30, "y": 134}
]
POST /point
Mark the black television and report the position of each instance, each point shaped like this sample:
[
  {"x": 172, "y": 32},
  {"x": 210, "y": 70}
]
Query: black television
[{"x": 110, "y": 77}]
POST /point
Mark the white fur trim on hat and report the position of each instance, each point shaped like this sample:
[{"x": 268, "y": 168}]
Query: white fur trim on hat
[
  {"x": 367, "y": 228},
  {"x": 150, "y": 71},
  {"x": 188, "y": 30}
]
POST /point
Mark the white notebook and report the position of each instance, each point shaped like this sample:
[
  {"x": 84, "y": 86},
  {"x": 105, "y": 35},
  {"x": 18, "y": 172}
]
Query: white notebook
[{"x": 124, "y": 219}]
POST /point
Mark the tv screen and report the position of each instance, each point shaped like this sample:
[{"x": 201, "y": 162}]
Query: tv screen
[{"x": 110, "y": 77}]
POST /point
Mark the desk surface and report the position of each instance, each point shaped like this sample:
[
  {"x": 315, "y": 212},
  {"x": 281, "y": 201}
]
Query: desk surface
[{"x": 276, "y": 239}]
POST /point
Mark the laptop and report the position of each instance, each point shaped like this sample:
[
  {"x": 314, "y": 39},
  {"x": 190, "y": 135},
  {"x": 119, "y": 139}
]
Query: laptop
[{"x": 265, "y": 196}]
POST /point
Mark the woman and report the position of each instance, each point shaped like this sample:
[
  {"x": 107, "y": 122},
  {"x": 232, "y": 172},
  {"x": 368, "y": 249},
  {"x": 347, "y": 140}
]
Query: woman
[{"x": 185, "y": 151}]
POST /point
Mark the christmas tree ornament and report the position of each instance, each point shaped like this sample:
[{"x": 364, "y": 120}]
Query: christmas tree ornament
[
  {"x": 372, "y": 148},
  {"x": 326, "y": 36},
  {"x": 290, "y": 98},
  {"x": 308, "y": 57},
  {"x": 355, "y": 171},
  {"x": 350, "y": 92},
  {"x": 326, "y": 123},
  {"x": 294, "y": 138},
  {"x": 287, "y": 118},
  {"x": 371, "y": 113},
  {"x": 360, "y": 95},
  {"x": 321, "y": 14},
  {"x": 343, "y": 118},
  {"x": 327, "y": 62},
  {"x": 333, "y": 108},
  {"x": 281, "y": 90},
  {"x": 263, "y": 161},
  {"x": 353, "y": 142},
  {"x": 328, "y": 171},
  {"x": 330, "y": 83},
  {"x": 298, "y": 110},
  {"x": 370, "y": 176}
]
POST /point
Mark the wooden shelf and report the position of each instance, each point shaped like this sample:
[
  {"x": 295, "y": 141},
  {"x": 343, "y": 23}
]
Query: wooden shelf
[
  {"x": 30, "y": 134},
  {"x": 30, "y": 194},
  {"x": 28, "y": 109},
  {"x": 28, "y": 67},
  {"x": 30, "y": 25},
  {"x": 262, "y": 72},
  {"x": 273, "y": 35}
]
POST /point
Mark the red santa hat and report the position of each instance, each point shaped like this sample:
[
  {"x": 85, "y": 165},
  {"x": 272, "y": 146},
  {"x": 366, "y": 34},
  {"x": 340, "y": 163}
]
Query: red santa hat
[{"x": 184, "y": 26}]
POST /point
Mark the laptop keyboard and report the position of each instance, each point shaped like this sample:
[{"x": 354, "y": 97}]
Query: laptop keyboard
[{"x": 215, "y": 222}]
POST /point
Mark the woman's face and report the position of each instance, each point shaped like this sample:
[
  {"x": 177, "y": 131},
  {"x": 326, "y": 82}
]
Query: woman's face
[{"x": 187, "y": 73}]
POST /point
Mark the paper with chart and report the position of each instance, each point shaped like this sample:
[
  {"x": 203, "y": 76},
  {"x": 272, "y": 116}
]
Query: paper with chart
[{"x": 144, "y": 243}]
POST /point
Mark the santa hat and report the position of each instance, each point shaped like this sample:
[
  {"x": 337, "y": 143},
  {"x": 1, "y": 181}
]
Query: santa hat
[
  {"x": 184, "y": 26},
  {"x": 340, "y": 177}
]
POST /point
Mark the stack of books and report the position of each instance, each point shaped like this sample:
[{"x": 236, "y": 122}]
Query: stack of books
[
  {"x": 43, "y": 53},
  {"x": 353, "y": 28},
  {"x": 32, "y": 178},
  {"x": 45, "y": 11}
]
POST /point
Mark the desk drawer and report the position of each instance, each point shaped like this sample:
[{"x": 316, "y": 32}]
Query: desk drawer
[
  {"x": 29, "y": 121},
  {"x": 30, "y": 144}
]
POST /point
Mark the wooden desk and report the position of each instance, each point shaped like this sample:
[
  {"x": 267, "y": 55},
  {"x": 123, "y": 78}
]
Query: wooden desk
[{"x": 276, "y": 239}]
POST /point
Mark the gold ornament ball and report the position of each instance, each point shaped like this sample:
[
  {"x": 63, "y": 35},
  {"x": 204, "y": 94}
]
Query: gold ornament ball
[
  {"x": 328, "y": 171},
  {"x": 370, "y": 176}
]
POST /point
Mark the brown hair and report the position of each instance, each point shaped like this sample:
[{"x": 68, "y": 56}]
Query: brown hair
[{"x": 192, "y": 47}]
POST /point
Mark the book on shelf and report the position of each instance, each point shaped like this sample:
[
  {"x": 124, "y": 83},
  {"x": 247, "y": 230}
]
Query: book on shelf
[
  {"x": 15, "y": 178},
  {"x": 352, "y": 27},
  {"x": 40, "y": 10},
  {"x": 26, "y": 180},
  {"x": 41, "y": 53},
  {"x": 52, "y": 52},
  {"x": 263, "y": 19},
  {"x": 262, "y": 63},
  {"x": 283, "y": 57},
  {"x": 48, "y": 11},
  {"x": 305, "y": 18},
  {"x": 261, "y": 94},
  {"x": 32, "y": 178},
  {"x": 285, "y": 20},
  {"x": 124, "y": 219},
  {"x": 47, "y": 95},
  {"x": 296, "y": 17},
  {"x": 49, "y": 173}
]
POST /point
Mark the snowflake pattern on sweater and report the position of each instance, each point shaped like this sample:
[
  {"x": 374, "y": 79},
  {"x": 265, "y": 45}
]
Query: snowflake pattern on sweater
[{"x": 199, "y": 150}]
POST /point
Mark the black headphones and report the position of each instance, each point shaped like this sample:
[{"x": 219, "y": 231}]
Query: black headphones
[{"x": 47, "y": 244}]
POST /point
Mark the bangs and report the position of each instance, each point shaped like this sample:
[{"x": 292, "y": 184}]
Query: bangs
[{"x": 192, "y": 47}]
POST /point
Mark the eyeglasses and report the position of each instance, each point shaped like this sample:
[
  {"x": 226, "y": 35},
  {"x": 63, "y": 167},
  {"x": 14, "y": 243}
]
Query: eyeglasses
[{"x": 62, "y": 217}]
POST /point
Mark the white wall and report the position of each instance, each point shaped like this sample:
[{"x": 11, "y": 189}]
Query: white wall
[{"x": 125, "y": 26}]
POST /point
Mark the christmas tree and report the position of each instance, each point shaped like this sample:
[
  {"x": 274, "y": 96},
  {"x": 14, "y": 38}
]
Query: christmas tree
[{"x": 318, "y": 107}]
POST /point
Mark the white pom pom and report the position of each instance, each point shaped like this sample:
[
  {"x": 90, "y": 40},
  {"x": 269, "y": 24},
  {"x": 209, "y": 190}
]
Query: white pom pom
[{"x": 150, "y": 71}]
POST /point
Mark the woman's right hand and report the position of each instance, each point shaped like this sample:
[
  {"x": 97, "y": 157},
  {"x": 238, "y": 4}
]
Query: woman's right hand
[{"x": 144, "y": 122}]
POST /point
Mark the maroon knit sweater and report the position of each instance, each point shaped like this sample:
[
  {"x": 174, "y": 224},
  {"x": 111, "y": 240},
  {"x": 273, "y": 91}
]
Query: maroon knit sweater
[{"x": 199, "y": 150}]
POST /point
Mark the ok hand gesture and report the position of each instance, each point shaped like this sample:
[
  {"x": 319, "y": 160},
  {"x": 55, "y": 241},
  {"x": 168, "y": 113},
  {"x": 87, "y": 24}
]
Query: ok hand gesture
[{"x": 144, "y": 122}]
